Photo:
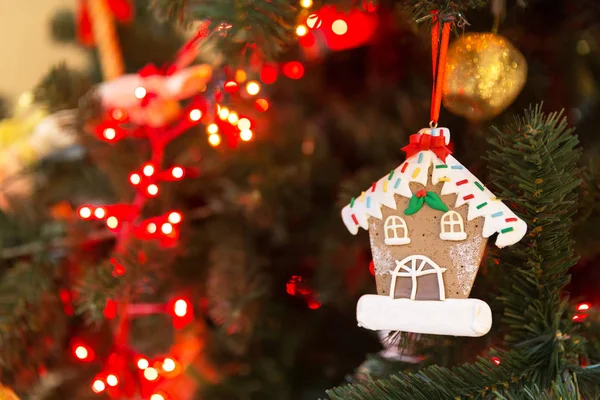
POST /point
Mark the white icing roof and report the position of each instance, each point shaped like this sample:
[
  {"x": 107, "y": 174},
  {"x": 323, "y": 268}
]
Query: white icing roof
[{"x": 498, "y": 218}]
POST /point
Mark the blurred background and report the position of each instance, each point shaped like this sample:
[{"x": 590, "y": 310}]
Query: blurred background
[{"x": 251, "y": 293}]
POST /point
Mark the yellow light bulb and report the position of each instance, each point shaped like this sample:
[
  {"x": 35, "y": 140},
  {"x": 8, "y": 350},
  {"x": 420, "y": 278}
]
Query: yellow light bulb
[
  {"x": 98, "y": 386},
  {"x": 140, "y": 92},
  {"x": 148, "y": 170},
  {"x": 253, "y": 88},
  {"x": 224, "y": 113},
  {"x": 169, "y": 365},
  {"x": 246, "y": 135},
  {"x": 151, "y": 374},
  {"x": 110, "y": 133},
  {"x": 306, "y": 3},
  {"x": 99, "y": 213},
  {"x": 142, "y": 362},
  {"x": 212, "y": 129},
  {"x": 195, "y": 115},
  {"x": 339, "y": 27},
  {"x": 240, "y": 76},
  {"x": 112, "y": 222},
  {"x": 301, "y": 30},
  {"x": 214, "y": 140},
  {"x": 112, "y": 380},
  {"x": 152, "y": 190},
  {"x": 233, "y": 118},
  {"x": 167, "y": 228},
  {"x": 151, "y": 228},
  {"x": 244, "y": 123},
  {"x": 314, "y": 21}
]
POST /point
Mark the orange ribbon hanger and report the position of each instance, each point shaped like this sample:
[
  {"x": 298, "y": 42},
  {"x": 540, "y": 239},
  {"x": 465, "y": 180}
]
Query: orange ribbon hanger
[{"x": 439, "y": 50}]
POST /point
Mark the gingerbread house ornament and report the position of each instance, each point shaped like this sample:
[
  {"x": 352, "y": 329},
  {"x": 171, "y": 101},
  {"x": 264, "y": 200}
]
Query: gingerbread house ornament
[{"x": 428, "y": 222}]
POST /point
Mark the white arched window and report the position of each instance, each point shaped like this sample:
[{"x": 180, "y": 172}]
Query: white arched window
[
  {"x": 453, "y": 227},
  {"x": 395, "y": 230},
  {"x": 414, "y": 267}
]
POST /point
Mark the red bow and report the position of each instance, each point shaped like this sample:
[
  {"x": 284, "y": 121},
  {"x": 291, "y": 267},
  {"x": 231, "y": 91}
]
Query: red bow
[{"x": 422, "y": 142}]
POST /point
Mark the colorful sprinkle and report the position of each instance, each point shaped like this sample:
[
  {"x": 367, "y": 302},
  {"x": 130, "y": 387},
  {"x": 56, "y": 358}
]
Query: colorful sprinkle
[
  {"x": 457, "y": 167},
  {"x": 354, "y": 219},
  {"x": 498, "y": 214},
  {"x": 416, "y": 172},
  {"x": 495, "y": 199},
  {"x": 420, "y": 158},
  {"x": 506, "y": 230},
  {"x": 368, "y": 202},
  {"x": 479, "y": 185},
  {"x": 404, "y": 166},
  {"x": 352, "y": 203},
  {"x": 441, "y": 166},
  {"x": 397, "y": 183},
  {"x": 362, "y": 197},
  {"x": 374, "y": 186},
  {"x": 464, "y": 181},
  {"x": 513, "y": 219},
  {"x": 391, "y": 175},
  {"x": 444, "y": 179},
  {"x": 468, "y": 197},
  {"x": 385, "y": 186},
  {"x": 480, "y": 206}
]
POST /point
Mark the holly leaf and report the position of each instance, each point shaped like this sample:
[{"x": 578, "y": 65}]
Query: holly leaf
[
  {"x": 434, "y": 201},
  {"x": 414, "y": 204}
]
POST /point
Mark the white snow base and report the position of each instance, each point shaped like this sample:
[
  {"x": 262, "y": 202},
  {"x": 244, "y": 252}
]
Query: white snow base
[{"x": 455, "y": 317}]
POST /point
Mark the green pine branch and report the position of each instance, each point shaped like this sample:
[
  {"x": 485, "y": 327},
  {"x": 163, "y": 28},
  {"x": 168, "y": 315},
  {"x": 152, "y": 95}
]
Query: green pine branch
[
  {"x": 61, "y": 88},
  {"x": 264, "y": 28},
  {"x": 533, "y": 163}
]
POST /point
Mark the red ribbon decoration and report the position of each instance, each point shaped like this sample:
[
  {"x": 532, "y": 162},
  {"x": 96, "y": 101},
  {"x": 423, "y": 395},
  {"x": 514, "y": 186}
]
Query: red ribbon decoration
[
  {"x": 122, "y": 10},
  {"x": 421, "y": 142},
  {"x": 439, "y": 49}
]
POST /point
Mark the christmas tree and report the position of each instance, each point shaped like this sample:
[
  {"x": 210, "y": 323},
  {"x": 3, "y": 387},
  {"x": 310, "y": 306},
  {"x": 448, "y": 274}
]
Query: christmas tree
[{"x": 178, "y": 234}]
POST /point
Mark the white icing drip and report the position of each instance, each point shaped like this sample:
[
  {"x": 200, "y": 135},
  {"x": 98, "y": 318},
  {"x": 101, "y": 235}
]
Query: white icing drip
[
  {"x": 498, "y": 218},
  {"x": 465, "y": 256}
]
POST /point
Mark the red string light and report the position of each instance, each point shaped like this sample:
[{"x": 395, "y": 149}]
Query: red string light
[
  {"x": 495, "y": 360},
  {"x": 583, "y": 306},
  {"x": 83, "y": 352},
  {"x": 293, "y": 70},
  {"x": 152, "y": 190},
  {"x": 85, "y": 212},
  {"x": 148, "y": 169},
  {"x": 268, "y": 74},
  {"x": 261, "y": 105},
  {"x": 125, "y": 219},
  {"x": 100, "y": 212},
  {"x": 177, "y": 172},
  {"x": 142, "y": 363},
  {"x": 175, "y": 217},
  {"x": 112, "y": 380},
  {"x": 231, "y": 86},
  {"x": 98, "y": 386},
  {"x": 180, "y": 308},
  {"x": 151, "y": 374},
  {"x": 135, "y": 179},
  {"x": 110, "y": 309},
  {"x": 579, "y": 317}
]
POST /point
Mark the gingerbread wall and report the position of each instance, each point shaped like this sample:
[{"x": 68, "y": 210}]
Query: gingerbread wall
[{"x": 460, "y": 258}]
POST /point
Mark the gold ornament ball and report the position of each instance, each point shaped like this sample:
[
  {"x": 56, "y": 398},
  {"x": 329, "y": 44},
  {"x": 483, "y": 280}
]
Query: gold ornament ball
[{"x": 484, "y": 74}]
